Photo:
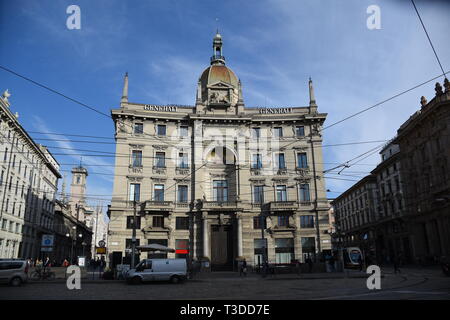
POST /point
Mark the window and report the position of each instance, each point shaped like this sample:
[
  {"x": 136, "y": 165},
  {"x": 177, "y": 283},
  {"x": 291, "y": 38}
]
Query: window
[
  {"x": 284, "y": 250},
  {"x": 162, "y": 255},
  {"x": 182, "y": 195},
  {"x": 136, "y": 158},
  {"x": 304, "y": 193},
  {"x": 182, "y": 223},
  {"x": 302, "y": 160},
  {"x": 258, "y": 194},
  {"x": 1, "y": 177},
  {"x": 283, "y": 221},
  {"x": 256, "y": 133},
  {"x": 279, "y": 161},
  {"x": 161, "y": 130},
  {"x": 14, "y": 161},
  {"x": 306, "y": 221},
  {"x": 158, "y": 222},
  {"x": 128, "y": 243},
  {"x": 130, "y": 222},
  {"x": 257, "y": 161},
  {"x": 6, "y": 154},
  {"x": 220, "y": 190},
  {"x": 300, "y": 131},
  {"x": 278, "y": 132},
  {"x": 281, "y": 193},
  {"x": 78, "y": 179},
  {"x": 160, "y": 160},
  {"x": 183, "y": 160},
  {"x": 138, "y": 128},
  {"x": 135, "y": 192},
  {"x": 257, "y": 222},
  {"x": 181, "y": 248},
  {"x": 184, "y": 131},
  {"x": 260, "y": 247},
  {"x": 158, "y": 192},
  {"x": 308, "y": 246}
]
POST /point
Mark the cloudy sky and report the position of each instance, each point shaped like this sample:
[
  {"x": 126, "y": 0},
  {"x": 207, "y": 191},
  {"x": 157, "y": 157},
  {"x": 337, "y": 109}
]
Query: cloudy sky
[{"x": 273, "y": 46}]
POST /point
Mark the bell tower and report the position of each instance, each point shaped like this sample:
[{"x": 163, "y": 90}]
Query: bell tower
[{"x": 78, "y": 192}]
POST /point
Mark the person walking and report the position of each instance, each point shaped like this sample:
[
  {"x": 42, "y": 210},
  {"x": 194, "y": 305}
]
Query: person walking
[
  {"x": 243, "y": 270},
  {"x": 310, "y": 264},
  {"x": 396, "y": 265},
  {"x": 360, "y": 262}
]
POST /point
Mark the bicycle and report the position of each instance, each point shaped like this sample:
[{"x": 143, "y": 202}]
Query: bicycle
[{"x": 43, "y": 275}]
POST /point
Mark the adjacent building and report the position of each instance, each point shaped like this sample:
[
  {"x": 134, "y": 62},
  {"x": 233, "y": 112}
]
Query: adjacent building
[
  {"x": 356, "y": 215},
  {"x": 424, "y": 141},
  {"x": 28, "y": 184},
  {"x": 219, "y": 181},
  {"x": 402, "y": 210}
]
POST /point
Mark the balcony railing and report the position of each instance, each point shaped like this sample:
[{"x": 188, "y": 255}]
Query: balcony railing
[
  {"x": 283, "y": 205},
  {"x": 157, "y": 205},
  {"x": 220, "y": 205}
]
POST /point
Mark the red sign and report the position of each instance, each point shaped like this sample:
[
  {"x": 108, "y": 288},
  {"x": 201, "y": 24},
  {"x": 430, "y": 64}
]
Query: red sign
[{"x": 182, "y": 251}]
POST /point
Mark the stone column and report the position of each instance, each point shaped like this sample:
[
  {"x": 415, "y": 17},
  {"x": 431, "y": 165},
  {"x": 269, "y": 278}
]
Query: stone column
[
  {"x": 239, "y": 234},
  {"x": 205, "y": 236}
]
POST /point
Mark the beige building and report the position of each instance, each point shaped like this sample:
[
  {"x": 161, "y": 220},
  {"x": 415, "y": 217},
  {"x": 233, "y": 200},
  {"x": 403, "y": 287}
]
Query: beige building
[
  {"x": 219, "y": 181},
  {"x": 28, "y": 183}
]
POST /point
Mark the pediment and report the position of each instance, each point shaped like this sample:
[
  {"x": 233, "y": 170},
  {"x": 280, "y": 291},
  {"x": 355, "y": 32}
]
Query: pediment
[{"x": 220, "y": 84}]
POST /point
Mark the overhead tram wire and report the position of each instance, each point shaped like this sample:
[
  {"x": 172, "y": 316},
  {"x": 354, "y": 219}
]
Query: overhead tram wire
[
  {"x": 429, "y": 39},
  {"x": 69, "y": 98}
]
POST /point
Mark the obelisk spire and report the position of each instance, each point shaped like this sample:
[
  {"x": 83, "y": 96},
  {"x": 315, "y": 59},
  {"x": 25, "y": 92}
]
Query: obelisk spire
[
  {"x": 312, "y": 99},
  {"x": 125, "y": 89}
]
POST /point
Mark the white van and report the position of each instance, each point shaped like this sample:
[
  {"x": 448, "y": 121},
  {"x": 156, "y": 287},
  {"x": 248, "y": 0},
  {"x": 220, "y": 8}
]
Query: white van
[{"x": 173, "y": 270}]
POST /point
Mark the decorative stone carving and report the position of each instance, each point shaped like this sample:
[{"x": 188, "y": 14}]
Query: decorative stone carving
[
  {"x": 6, "y": 95},
  {"x": 316, "y": 129},
  {"x": 134, "y": 179},
  {"x": 423, "y": 101},
  {"x": 121, "y": 127},
  {"x": 137, "y": 146},
  {"x": 447, "y": 85},
  {"x": 438, "y": 89},
  {"x": 217, "y": 96},
  {"x": 159, "y": 147}
]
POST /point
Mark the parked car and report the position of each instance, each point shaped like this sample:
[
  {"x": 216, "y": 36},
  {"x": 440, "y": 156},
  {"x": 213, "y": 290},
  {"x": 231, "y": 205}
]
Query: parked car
[
  {"x": 173, "y": 270},
  {"x": 13, "y": 271}
]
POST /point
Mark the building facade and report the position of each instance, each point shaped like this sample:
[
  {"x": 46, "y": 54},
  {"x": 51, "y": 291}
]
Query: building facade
[
  {"x": 356, "y": 215},
  {"x": 28, "y": 185},
  {"x": 219, "y": 181},
  {"x": 73, "y": 238},
  {"x": 424, "y": 141}
]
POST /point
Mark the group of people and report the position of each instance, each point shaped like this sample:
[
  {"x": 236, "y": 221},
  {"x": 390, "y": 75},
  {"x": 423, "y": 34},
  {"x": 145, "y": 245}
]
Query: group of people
[{"x": 97, "y": 264}]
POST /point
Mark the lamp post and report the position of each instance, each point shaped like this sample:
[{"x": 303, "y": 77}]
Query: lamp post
[{"x": 133, "y": 238}]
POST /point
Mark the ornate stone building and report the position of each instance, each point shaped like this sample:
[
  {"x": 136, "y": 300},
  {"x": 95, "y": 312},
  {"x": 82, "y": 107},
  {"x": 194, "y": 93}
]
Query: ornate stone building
[
  {"x": 28, "y": 183},
  {"x": 424, "y": 141},
  {"x": 219, "y": 181}
]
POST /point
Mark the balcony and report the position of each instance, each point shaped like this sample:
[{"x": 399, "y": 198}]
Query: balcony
[
  {"x": 281, "y": 172},
  {"x": 283, "y": 205},
  {"x": 255, "y": 171},
  {"x": 221, "y": 205},
  {"x": 182, "y": 170},
  {"x": 157, "y": 206},
  {"x": 135, "y": 169},
  {"x": 303, "y": 172},
  {"x": 159, "y": 169}
]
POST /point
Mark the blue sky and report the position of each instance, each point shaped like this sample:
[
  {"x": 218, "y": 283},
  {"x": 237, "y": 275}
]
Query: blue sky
[{"x": 273, "y": 47}]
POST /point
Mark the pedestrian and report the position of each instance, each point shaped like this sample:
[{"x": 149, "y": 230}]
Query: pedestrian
[
  {"x": 243, "y": 270},
  {"x": 310, "y": 264},
  {"x": 396, "y": 265},
  {"x": 331, "y": 261},
  {"x": 360, "y": 263},
  {"x": 65, "y": 263}
]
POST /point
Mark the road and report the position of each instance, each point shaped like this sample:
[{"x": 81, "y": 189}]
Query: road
[{"x": 411, "y": 284}]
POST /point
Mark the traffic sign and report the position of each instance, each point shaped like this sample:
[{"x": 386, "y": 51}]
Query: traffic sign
[{"x": 101, "y": 243}]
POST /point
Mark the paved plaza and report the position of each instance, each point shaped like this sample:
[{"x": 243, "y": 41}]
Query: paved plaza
[{"x": 410, "y": 284}]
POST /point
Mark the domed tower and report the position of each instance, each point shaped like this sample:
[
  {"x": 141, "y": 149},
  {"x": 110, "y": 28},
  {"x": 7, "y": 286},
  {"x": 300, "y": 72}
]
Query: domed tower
[{"x": 219, "y": 89}]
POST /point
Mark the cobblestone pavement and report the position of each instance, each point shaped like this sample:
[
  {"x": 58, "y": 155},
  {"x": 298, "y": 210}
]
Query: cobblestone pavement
[{"x": 410, "y": 284}]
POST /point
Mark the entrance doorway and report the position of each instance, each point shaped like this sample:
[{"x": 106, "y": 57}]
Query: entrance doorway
[{"x": 221, "y": 248}]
